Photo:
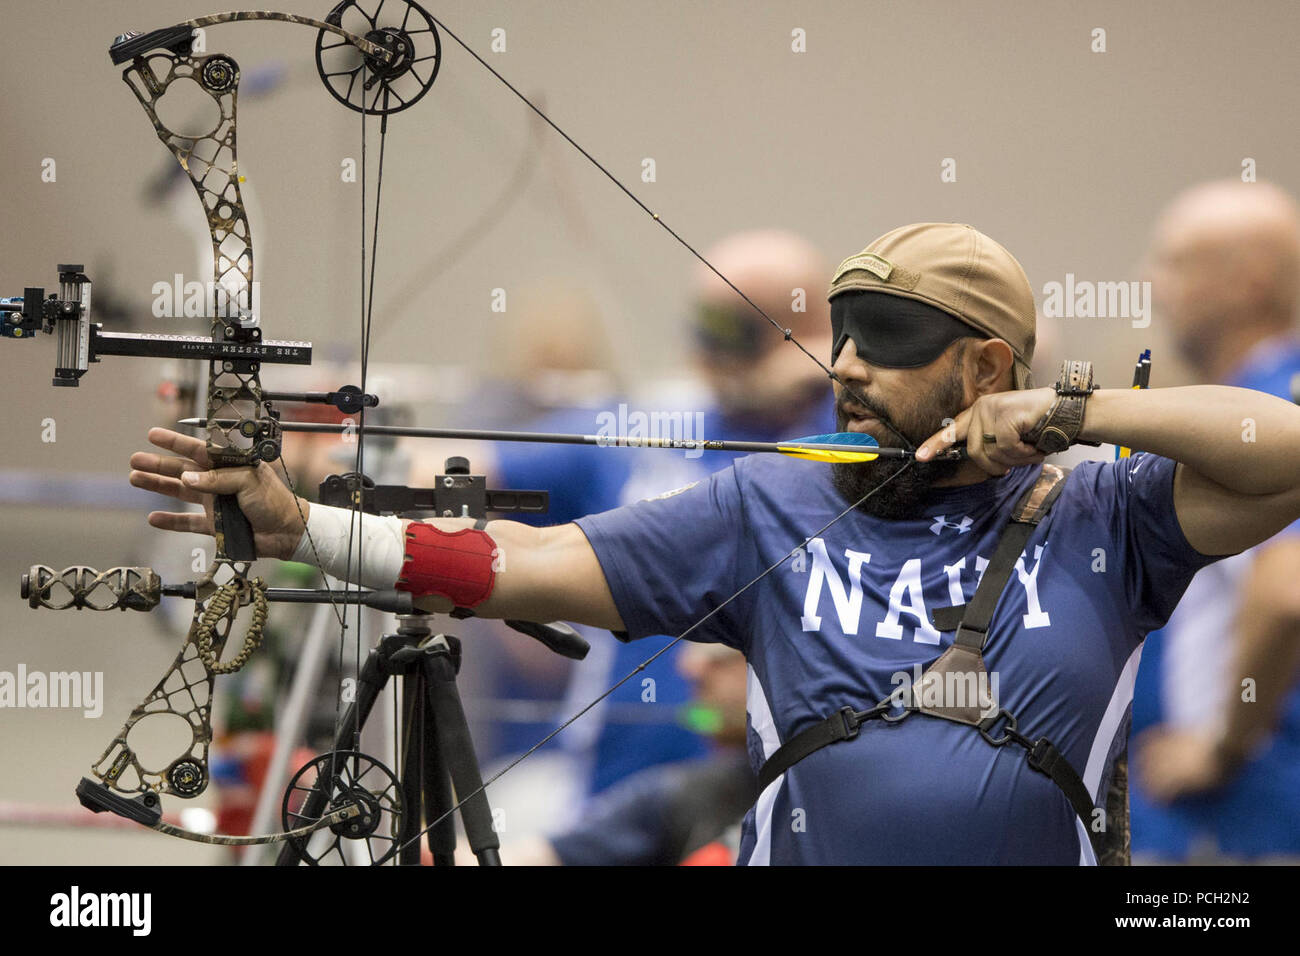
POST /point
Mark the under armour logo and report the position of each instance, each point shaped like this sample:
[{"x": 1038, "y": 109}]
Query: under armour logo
[{"x": 941, "y": 522}]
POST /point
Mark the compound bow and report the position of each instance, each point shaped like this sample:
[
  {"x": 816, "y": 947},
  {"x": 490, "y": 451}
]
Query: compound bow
[{"x": 376, "y": 66}]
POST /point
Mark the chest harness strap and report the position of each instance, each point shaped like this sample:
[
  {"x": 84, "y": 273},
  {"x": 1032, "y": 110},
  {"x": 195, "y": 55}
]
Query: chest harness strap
[{"x": 964, "y": 661}]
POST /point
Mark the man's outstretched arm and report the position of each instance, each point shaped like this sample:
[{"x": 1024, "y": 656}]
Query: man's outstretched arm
[{"x": 545, "y": 574}]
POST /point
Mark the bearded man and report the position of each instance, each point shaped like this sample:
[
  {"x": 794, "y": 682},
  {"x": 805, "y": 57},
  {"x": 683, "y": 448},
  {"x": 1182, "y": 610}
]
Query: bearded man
[{"x": 941, "y": 651}]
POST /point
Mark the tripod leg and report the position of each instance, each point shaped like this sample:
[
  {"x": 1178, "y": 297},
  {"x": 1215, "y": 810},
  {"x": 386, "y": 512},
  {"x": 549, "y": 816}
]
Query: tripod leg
[
  {"x": 437, "y": 788},
  {"x": 412, "y": 729},
  {"x": 457, "y": 749}
]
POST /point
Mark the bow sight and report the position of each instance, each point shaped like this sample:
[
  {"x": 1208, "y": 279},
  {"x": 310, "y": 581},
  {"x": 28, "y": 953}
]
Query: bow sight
[{"x": 66, "y": 314}]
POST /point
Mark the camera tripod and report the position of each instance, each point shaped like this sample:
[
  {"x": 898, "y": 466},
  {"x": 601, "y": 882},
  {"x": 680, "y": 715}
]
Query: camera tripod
[{"x": 437, "y": 756}]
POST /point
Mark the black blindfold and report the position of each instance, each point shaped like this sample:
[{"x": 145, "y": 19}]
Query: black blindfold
[{"x": 893, "y": 331}]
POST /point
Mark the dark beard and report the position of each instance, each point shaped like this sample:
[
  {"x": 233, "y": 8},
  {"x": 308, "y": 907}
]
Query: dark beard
[{"x": 903, "y": 496}]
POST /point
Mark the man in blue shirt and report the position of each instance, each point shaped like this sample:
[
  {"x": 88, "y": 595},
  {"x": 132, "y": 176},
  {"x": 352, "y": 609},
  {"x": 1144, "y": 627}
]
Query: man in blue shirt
[
  {"x": 668, "y": 813},
  {"x": 834, "y": 581},
  {"x": 1217, "y": 710}
]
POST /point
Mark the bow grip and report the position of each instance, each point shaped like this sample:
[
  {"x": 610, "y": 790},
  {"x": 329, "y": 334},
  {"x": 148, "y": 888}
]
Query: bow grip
[{"x": 233, "y": 532}]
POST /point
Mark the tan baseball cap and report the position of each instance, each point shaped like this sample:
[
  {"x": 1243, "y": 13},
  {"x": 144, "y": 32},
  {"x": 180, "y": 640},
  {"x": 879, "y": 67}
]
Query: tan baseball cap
[{"x": 956, "y": 268}]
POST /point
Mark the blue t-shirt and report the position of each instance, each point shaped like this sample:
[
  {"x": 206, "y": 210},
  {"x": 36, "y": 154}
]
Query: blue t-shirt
[{"x": 834, "y": 625}]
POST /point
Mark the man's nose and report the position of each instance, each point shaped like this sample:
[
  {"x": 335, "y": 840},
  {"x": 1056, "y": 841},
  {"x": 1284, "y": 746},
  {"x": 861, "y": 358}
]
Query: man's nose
[{"x": 849, "y": 368}]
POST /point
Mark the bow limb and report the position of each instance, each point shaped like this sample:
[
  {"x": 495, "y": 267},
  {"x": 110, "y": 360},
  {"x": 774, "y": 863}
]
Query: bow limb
[
  {"x": 179, "y": 35},
  {"x": 217, "y": 839},
  {"x": 248, "y": 433}
]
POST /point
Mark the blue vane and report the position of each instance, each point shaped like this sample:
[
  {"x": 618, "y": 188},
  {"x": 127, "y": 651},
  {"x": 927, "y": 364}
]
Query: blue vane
[
  {"x": 848, "y": 447},
  {"x": 836, "y": 438}
]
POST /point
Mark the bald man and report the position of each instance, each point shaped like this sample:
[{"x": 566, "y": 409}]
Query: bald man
[
  {"x": 1217, "y": 772},
  {"x": 750, "y": 371}
]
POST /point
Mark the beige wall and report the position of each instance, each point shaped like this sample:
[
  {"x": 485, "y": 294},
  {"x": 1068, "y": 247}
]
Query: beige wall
[{"x": 1062, "y": 154}]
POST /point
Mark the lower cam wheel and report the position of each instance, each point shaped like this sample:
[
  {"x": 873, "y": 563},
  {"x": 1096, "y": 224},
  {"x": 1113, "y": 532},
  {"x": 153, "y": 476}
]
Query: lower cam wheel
[
  {"x": 366, "y": 83},
  {"x": 336, "y": 780},
  {"x": 187, "y": 778}
]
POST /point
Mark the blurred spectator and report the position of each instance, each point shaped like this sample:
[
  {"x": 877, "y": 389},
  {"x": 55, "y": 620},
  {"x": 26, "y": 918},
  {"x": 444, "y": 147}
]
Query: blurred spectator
[
  {"x": 1216, "y": 722},
  {"x": 686, "y": 812},
  {"x": 554, "y": 356},
  {"x": 759, "y": 388}
]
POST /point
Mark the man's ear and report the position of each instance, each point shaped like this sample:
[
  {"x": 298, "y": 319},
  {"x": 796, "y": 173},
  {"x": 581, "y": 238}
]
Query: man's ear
[{"x": 990, "y": 361}]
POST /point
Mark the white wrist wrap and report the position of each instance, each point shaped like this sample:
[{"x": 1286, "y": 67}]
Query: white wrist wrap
[{"x": 378, "y": 541}]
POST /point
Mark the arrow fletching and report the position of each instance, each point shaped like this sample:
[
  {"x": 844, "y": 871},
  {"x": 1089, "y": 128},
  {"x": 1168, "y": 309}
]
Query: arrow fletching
[{"x": 833, "y": 447}]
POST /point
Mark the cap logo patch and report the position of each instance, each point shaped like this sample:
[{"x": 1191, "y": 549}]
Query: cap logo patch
[{"x": 880, "y": 267}]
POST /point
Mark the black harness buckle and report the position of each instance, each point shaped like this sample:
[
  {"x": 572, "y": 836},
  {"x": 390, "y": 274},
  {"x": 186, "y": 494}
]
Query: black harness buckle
[
  {"x": 850, "y": 721},
  {"x": 1009, "y": 731},
  {"x": 905, "y": 707}
]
